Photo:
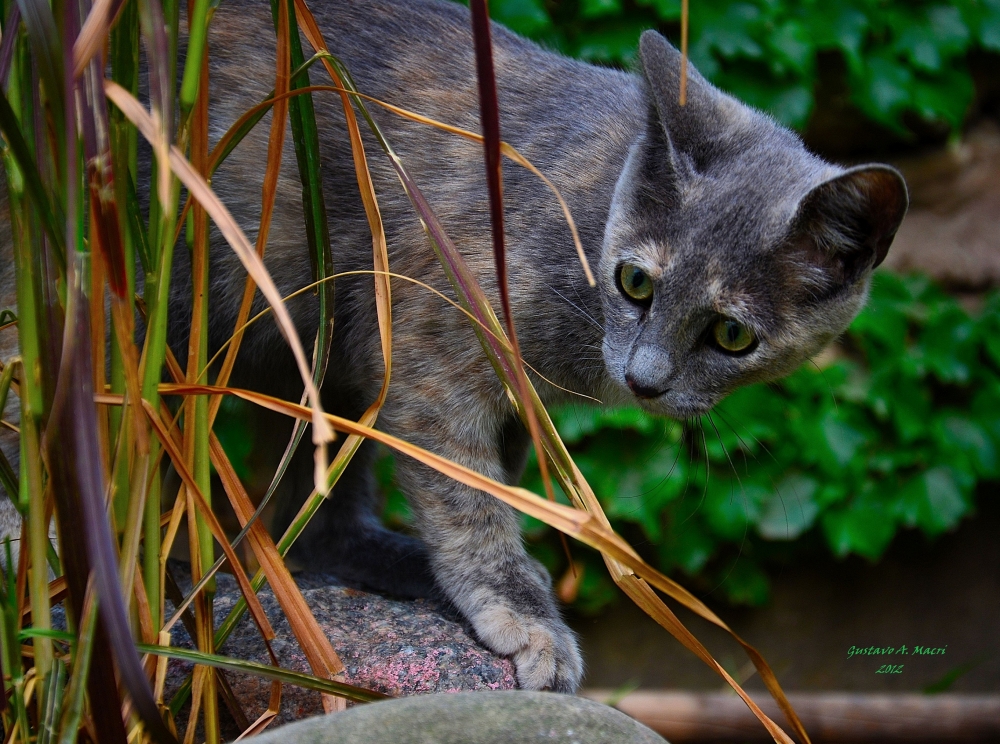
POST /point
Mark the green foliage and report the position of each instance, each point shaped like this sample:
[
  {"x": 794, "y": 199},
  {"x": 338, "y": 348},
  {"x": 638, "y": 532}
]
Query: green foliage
[
  {"x": 896, "y": 433},
  {"x": 900, "y": 56}
]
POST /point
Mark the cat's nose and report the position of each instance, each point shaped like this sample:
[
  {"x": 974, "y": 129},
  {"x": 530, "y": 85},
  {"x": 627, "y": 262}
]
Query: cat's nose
[{"x": 648, "y": 372}]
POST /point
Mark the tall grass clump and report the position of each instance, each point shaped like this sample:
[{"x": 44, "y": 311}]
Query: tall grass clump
[{"x": 95, "y": 431}]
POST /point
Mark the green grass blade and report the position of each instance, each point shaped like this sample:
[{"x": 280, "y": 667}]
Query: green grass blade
[
  {"x": 48, "y": 211},
  {"x": 305, "y": 136},
  {"x": 287, "y": 676},
  {"x": 10, "y": 648},
  {"x": 72, "y": 712},
  {"x": 197, "y": 38},
  {"x": 47, "y": 730}
]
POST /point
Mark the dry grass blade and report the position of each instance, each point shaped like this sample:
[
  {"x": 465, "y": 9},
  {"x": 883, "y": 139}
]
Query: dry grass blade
[
  {"x": 265, "y": 718},
  {"x": 92, "y": 36},
  {"x": 319, "y": 652},
  {"x": 269, "y": 190},
  {"x": 133, "y": 110},
  {"x": 316, "y": 646}
]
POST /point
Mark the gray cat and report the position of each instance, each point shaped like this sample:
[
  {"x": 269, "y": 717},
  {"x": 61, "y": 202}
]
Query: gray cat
[{"x": 726, "y": 254}]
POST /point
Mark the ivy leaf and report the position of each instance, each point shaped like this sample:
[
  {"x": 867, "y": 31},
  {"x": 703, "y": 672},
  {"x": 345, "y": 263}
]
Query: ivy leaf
[
  {"x": 933, "y": 501},
  {"x": 884, "y": 90},
  {"x": 598, "y": 8},
  {"x": 849, "y": 30},
  {"x": 731, "y": 33},
  {"x": 863, "y": 527},
  {"x": 790, "y": 510},
  {"x": 946, "y": 98},
  {"x": 616, "y": 42},
  {"x": 989, "y": 26},
  {"x": 910, "y": 406},
  {"x": 842, "y": 438},
  {"x": 967, "y": 436},
  {"x": 792, "y": 49},
  {"x": 944, "y": 343},
  {"x": 731, "y": 505},
  {"x": 523, "y": 16}
]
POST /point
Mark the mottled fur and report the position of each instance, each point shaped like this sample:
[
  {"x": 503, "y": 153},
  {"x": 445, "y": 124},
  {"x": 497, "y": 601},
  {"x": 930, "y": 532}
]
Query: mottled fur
[{"x": 726, "y": 211}]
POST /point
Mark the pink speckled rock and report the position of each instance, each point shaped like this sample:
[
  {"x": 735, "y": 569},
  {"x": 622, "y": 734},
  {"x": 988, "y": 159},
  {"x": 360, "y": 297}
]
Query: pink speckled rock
[{"x": 393, "y": 646}]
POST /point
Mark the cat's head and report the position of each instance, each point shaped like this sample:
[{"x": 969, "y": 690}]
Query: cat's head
[{"x": 731, "y": 253}]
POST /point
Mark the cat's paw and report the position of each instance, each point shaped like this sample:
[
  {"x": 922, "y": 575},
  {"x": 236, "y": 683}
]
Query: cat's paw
[{"x": 544, "y": 649}]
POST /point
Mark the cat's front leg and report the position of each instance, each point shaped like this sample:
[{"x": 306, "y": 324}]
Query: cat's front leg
[{"x": 478, "y": 555}]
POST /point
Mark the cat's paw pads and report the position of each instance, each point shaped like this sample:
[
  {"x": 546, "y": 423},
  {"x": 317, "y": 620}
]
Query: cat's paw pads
[{"x": 544, "y": 650}]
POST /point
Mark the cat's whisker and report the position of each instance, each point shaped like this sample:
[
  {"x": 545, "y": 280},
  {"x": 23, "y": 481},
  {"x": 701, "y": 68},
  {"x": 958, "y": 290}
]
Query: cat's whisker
[
  {"x": 752, "y": 436},
  {"x": 579, "y": 309},
  {"x": 726, "y": 452}
]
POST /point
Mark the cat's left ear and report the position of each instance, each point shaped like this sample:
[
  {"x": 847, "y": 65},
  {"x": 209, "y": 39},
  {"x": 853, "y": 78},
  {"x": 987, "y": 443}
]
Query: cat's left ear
[{"x": 852, "y": 218}]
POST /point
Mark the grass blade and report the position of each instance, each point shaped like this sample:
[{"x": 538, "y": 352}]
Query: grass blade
[
  {"x": 72, "y": 711},
  {"x": 78, "y": 476},
  {"x": 286, "y": 676}
]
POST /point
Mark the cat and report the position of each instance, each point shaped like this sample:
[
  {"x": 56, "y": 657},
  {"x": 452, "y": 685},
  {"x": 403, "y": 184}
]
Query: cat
[{"x": 725, "y": 254}]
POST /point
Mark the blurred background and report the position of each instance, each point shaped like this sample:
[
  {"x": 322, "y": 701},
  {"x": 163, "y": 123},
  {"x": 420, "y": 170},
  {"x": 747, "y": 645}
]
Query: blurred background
[{"x": 856, "y": 502}]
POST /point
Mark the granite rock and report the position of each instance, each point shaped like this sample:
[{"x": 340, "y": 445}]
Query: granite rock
[
  {"x": 392, "y": 646},
  {"x": 512, "y": 717}
]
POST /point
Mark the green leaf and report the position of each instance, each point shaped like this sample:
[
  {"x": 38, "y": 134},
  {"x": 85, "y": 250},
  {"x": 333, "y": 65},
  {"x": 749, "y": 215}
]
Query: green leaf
[
  {"x": 933, "y": 501},
  {"x": 617, "y": 42},
  {"x": 940, "y": 35},
  {"x": 730, "y": 33},
  {"x": 598, "y": 8},
  {"x": 731, "y": 505},
  {"x": 793, "y": 47},
  {"x": 688, "y": 546},
  {"x": 910, "y": 403},
  {"x": 789, "y": 510},
  {"x": 884, "y": 90},
  {"x": 863, "y": 527},
  {"x": 523, "y": 16},
  {"x": 989, "y": 28},
  {"x": 842, "y": 439},
  {"x": 967, "y": 436}
]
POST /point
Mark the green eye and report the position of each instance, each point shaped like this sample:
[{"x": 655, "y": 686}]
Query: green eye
[
  {"x": 636, "y": 283},
  {"x": 732, "y": 336}
]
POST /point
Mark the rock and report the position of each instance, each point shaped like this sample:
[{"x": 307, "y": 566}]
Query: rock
[
  {"x": 392, "y": 646},
  {"x": 950, "y": 231},
  {"x": 512, "y": 717}
]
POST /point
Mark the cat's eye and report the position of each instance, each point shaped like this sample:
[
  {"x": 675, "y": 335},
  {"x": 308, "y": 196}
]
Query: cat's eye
[
  {"x": 732, "y": 336},
  {"x": 635, "y": 283}
]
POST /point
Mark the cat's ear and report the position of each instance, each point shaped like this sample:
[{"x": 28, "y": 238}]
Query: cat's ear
[
  {"x": 848, "y": 221},
  {"x": 707, "y": 111}
]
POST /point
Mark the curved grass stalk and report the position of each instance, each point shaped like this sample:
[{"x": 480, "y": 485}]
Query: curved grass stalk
[{"x": 235, "y": 237}]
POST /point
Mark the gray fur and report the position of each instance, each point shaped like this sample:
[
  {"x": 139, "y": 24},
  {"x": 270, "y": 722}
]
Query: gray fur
[{"x": 725, "y": 210}]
